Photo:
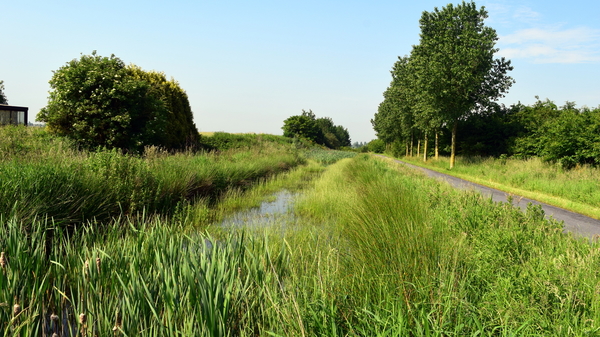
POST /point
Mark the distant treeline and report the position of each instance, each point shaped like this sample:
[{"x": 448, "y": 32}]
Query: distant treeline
[
  {"x": 321, "y": 130},
  {"x": 566, "y": 135}
]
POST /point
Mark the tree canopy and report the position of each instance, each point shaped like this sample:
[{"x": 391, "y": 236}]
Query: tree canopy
[
  {"x": 3, "y": 99},
  {"x": 302, "y": 126},
  {"x": 450, "y": 75},
  {"x": 99, "y": 101},
  {"x": 319, "y": 130}
]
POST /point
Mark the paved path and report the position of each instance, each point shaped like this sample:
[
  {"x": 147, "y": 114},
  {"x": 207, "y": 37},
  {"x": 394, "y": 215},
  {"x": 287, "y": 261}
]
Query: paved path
[{"x": 573, "y": 222}]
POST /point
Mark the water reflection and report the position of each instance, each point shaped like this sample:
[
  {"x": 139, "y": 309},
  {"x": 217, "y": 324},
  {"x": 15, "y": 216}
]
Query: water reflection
[{"x": 271, "y": 213}]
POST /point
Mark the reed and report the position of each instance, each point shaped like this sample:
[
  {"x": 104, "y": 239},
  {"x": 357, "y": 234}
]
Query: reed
[
  {"x": 72, "y": 187},
  {"x": 375, "y": 249}
]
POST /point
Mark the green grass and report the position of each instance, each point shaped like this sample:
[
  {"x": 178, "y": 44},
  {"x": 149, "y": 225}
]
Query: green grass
[
  {"x": 376, "y": 249},
  {"x": 577, "y": 189},
  {"x": 44, "y": 176},
  {"x": 326, "y": 156},
  {"x": 226, "y": 141},
  {"x": 418, "y": 258}
]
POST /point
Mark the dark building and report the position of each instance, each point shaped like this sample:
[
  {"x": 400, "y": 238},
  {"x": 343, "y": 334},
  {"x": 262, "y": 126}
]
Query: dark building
[{"x": 13, "y": 114}]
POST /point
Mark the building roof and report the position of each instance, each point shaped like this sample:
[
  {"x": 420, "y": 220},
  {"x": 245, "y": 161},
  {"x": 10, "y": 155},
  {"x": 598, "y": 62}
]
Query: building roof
[{"x": 13, "y": 108}]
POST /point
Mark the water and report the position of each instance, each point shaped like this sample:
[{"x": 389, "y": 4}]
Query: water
[{"x": 271, "y": 213}]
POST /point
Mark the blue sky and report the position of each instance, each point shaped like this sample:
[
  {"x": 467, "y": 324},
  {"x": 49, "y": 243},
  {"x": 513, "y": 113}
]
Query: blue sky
[{"x": 248, "y": 65}]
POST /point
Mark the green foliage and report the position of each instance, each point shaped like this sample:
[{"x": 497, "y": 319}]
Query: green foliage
[
  {"x": 566, "y": 135},
  {"x": 99, "y": 102},
  {"x": 302, "y": 126},
  {"x": 376, "y": 145},
  {"x": 333, "y": 136},
  {"x": 224, "y": 141},
  {"x": 343, "y": 136},
  {"x": 3, "y": 99},
  {"x": 46, "y": 178},
  {"x": 395, "y": 276},
  {"x": 455, "y": 63},
  {"x": 373, "y": 250},
  {"x": 395, "y": 116},
  {"x": 488, "y": 134},
  {"x": 450, "y": 75},
  {"x": 180, "y": 131},
  {"x": 328, "y": 157},
  {"x": 319, "y": 130}
]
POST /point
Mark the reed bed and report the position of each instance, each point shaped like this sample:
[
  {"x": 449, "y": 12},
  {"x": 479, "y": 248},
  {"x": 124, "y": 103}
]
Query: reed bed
[
  {"x": 43, "y": 176},
  {"x": 154, "y": 282}
]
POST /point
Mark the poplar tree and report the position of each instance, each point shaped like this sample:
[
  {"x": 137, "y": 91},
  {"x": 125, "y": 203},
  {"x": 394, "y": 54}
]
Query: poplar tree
[
  {"x": 456, "y": 72},
  {"x": 394, "y": 119}
]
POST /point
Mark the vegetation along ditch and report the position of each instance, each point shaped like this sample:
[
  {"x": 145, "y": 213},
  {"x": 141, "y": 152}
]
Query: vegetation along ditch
[
  {"x": 119, "y": 218},
  {"x": 376, "y": 249}
]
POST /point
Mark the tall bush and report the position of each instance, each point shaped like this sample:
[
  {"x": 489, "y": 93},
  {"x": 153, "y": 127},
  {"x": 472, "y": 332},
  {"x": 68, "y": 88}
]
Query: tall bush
[{"x": 99, "y": 102}]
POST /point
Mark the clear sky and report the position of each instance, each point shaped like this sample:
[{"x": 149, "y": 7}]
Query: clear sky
[{"x": 248, "y": 65}]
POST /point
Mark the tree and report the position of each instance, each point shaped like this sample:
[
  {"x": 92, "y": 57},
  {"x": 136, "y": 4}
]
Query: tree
[
  {"x": 98, "y": 101},
  {"x": 179, "y": 129},
  {"x": 395, "y": 117},
  {"x": 455, "y": 66},
  {"x": 3, "y": 99},
  {"x": 319, "y": 130},
  {"x": 343, "y": 136},
  {"x": 302, "y": 126},
  {"x": 334, "y": 136},
  {"x": 376, "y": 145}
]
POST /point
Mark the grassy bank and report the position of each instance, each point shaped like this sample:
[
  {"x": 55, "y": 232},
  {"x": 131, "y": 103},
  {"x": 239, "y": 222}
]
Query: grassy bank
[
  {"x": 413, "y": 257},
  {"x": 374, "y": 250},
  {"x": 577, "y": 189},
  {"x": 45, "y": 176}
]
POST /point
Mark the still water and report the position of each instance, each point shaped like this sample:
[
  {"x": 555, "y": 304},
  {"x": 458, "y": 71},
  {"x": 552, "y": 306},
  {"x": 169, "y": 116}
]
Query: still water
[{"x": 277, "y": 212}]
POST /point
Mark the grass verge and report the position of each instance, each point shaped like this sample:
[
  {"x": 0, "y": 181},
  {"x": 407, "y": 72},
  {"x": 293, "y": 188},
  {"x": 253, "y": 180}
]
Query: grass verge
[{"x": 575, "y": 190}]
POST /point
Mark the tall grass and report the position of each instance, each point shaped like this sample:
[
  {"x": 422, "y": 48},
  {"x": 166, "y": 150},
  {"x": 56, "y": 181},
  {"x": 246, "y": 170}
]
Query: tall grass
[
  {"x": 417, "y": 258},
  {"x": 226, "y": 141},
  {"x": 71, "y": 187},
  {"x": 376, "y": 250},
  {"x": 155, "y": 282}
]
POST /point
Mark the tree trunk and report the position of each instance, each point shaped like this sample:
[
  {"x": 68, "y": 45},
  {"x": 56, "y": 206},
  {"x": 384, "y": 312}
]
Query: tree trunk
[
  {"x": 418, "y": 148},
  {"x": 412, "y": 143},
  {"x": 425, "y": 148},
  {"x": 406, "y": 143},
  {"x": 453, "y": 153},
  {"x": 437, "y": 153}
]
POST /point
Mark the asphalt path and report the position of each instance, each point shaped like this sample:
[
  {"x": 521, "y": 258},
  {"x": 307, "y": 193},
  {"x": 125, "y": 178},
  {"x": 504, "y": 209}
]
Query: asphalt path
[{"x": 576, "y": 223}]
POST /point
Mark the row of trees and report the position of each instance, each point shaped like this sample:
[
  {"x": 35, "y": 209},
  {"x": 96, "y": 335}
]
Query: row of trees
[
  {"x": 450, "y": 75},
  {"x": 565, "y": 135},
  {"x": 100, "y": 101},
  {"x": 319, "y": 130}
]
